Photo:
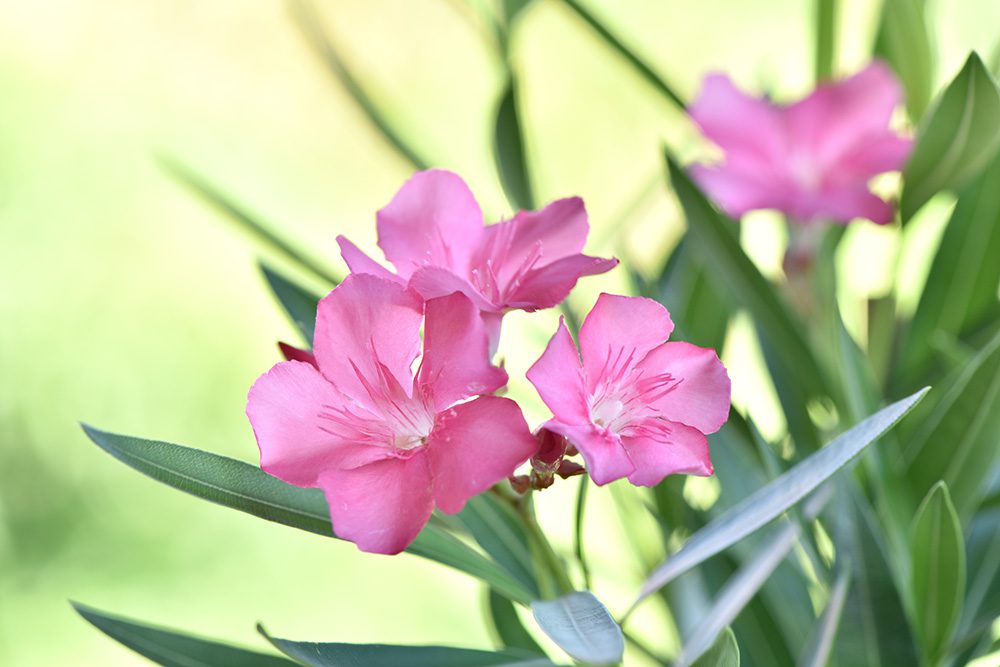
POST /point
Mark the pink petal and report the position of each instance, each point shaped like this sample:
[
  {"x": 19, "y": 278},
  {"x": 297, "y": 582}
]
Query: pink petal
[
  {"x": 606, "y": 459},
  {"x": 845, "y": 204},
  {"x": 456, "y": 362},
  {"x": 292, "y": 353},
  {"x": 558, "y": 378},
  {"x": 686, "y": 453},
  {"x": 875, "y": 156},
  {"x": 618, "y": 332},
  {"x": 700, "y": 397},
  {"x": 432, "y": 282},
  {"x": 364, "y": 322},
  {"x": 432, "y": 221},
  {"x": 381, "y": 506},
  {"x": 473, "y": 446},
  {"x": 359, "y": 262},
  {"x": 549, "y": 285},
  {"x": 734, "y": 191}
]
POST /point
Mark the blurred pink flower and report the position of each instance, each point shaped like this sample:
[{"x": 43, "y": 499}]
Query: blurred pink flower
[
  {"x": 384, "y": 444},
  {"x": 636, "y": 406},
  {"x": 812, "y": 159},
  {"x": 433, "y": 233}
]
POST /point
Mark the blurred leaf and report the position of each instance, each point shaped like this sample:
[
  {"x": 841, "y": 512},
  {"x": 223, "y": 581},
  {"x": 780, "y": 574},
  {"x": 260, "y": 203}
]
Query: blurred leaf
[
  {"x": 500, "y": 533},
  {"x": 960, "y": 294},
  {"x": 638, "y": 63},
  {"x": 582, "y": 627},
  {"x": 716, "y": 238},
  {"x": 507, "y": 625},
  {"x": 769, "y": 502},
  {"x": 172, "y": 649},
  {"x": 958, "y": 138},
  {"x": 384, "y": 655},
  {"x": 905, "y": 42},
  {"x": 512, "y": 10},
  {"x": 725, "y": 652},
  {"x": 298, "y": 302},
  {"x": 817, "y": 653},
  {"x": 309, "y": 22},
  {"x": 509, "y": 152},
  {"x": 826, "y": 39},
  {"x": 938, "y": 555},
  {"x": 249, "y": 489},
  {"x": 737, "y": 592},
  {"x": 956, "y": 437}
]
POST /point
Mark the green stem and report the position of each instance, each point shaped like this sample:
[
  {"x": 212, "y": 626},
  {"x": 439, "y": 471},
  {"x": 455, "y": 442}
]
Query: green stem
[
  {"x": 826, "y": 39},
  {"x": 542, "y": 549},
  {"x": 581, "y": 500}
]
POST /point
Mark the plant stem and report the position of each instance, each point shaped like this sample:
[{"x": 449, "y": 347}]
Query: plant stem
[
  {"x": 549, "y": 560},
  {"x": 581, "y": 500}
]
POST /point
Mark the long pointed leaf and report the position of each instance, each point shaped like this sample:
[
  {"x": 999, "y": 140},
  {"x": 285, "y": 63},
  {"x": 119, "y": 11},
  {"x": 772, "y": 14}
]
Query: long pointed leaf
[
  {"x": 904, "y": 41},
  {"x": 817, "y": 653},
  {"x": 725, "y": 652},
  {"x": 507, "y": 625},
  {"x": 497, "y": 530},
  {"x": 298, "y": 302},
  {"x": 509, "y": 151},
  {"x": 582, "y": 627}
]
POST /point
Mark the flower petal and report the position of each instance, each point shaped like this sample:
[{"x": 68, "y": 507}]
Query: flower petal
[
  {"x": 432, "y": 221},
  {"x": 734, "y": 191},
  {"x": 686, "y": 453},
  {"x": 847, "y": 203},
  {"x": 473, "y": 446},
  {"x": 558, "y": 378},
  {"x": 382, "y": 506},
  {"x": 549, "y": 285},
  {"x": 456, "y": 362},
  {"x": 701, "y": 393},
  {"x": 364, "y": 322},
  {"x": 432, "y": 282},
  {"x": 558, "y": 230},
  {"x": 618, "y": 332},
  {"x": 359, "y": 262},
  {"x": 292, "y": 353},
  {"x": 606, "y": 459}
]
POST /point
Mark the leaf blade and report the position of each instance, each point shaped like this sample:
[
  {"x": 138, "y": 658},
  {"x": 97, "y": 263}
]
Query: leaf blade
[
  {"x": 725, "y": 652},
  {"x": 582, "y": 627},
  {"x": 509, "y": 151},
  {"x": 297, "y": 301}
]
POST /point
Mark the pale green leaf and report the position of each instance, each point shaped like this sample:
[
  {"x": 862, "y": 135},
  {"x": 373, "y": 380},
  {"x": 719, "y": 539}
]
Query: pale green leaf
[{"x": 582, "y": 627}]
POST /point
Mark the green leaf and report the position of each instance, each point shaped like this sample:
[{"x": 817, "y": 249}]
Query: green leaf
[
  {"x": 582, "y": 627},
  {"x": 249, "y": 489},
  {"x": 507, "y": 626},
  {"x": 769, "y": 502},
  {"x": 826, "y": 39},
  {"x": 246, "y": 220},
  {"x": 725, "y": 652},
  {"x": 982, "y": 598},
  {"x": 937, "y": 550},
  {"x": 509, "y": 151},
  {"x": 817, "y": 653},
  {"x": 172, "y": 649},
  {"x": 384, "y": 655},
  {"x": 904, "y": 41},
  {"x": 960, "y": 294},
  {"x": 310, "y": 24},
  {"x": 958, "y": 138},
  {"x": 497, "y": 529},
  {"x": 716, "y": 239},
  {"x": 956, "y": 437},
  {"x": 298, "y": 302},
  {"x": 638, "y": 63}
]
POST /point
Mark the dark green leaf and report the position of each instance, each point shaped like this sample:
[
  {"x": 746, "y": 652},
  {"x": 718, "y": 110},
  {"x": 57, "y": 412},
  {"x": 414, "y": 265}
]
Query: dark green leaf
[
  {"x": 937, "y": 550},
  {"x": 509, "y": 151},
  {"x": 298, "y": 302},
  {"x": 582, "y": 627},
  {"x": 958, "y": 138},
  {"x": 700, "y": 313},
  {"x": 497, "y": 529},
  {"x": 725, "y": 652},
  {"x": 826, "y": 39},
  {"x": 249, "y": 489},
  {"x": 982, "y": 597},
  {"x": 510, "y": 632},
  {"x": 817, "y": 653},
  {"x": 904, "y": 41},
  {"x": 172, "y": 649}
]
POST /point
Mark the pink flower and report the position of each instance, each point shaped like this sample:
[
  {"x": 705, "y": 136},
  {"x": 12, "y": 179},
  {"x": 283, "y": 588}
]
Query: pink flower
[
  {"x": 812, "y": 159},
  {"x": 387, "y": 445},
  {"x": 636, "y": 406},
  {"x": 433, "y": 233}
]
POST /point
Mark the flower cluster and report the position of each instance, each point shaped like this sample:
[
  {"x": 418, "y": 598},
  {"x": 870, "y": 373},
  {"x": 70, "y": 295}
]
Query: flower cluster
[{"x": 388, "y": 444}]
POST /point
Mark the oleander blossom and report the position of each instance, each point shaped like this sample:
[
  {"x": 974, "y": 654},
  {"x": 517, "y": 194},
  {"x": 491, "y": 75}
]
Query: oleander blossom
[
  {"x": 433, "y": 234},
  {"x": 635, "y": 406},
  {"x": 384, "y": 443},
  {"x": 812, "y": 159}
]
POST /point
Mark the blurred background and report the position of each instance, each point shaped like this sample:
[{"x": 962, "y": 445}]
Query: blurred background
[{"x": 127, "y": 303}]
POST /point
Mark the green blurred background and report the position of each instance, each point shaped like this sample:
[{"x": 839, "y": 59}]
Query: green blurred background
[{"x": 127, "y": 303}]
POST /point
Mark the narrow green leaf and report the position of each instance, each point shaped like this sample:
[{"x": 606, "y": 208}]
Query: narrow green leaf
[
  {"x": 904, "y": 41},
  {"x": 638, "y": 63},
  {"x": 725, "y": 652},
  {"x": 384, "y": 655},
  {"x": 937, "y": 550},
  {"x": 173, "y": 649},
  {"x": 582, "y": 627},
  {"x": 246, "y": 220},
  {"x": 310, "y": 24},
  {"x": 298, "y": 302},
  {"x": 716, "y": 239},
  {"x": 769, "y": 502},
  {"x": 509, "y": 151},
  {"x": 249, "y": 489},
  {"x": 958, "y": 138},
  {"x": 826, "y": 39},
  {"x": 982, "y": 599},
  {"x": 817, "y": 653},
  {"x": 507, "y": 626},
  {"x": 497, "y": 529}
]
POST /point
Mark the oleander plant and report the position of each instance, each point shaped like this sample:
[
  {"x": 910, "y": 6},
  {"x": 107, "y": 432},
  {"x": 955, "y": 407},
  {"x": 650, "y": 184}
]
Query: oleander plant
[{"x": 866, "y": 533}]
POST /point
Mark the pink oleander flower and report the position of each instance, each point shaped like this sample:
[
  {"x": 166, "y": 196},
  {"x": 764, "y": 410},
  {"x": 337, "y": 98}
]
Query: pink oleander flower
[
  {"x": 812, "y": 159},
  {"x": 386, "y": 445},
  {"x": 433, "y": 233},
  {"x": 636, "y": 406}
]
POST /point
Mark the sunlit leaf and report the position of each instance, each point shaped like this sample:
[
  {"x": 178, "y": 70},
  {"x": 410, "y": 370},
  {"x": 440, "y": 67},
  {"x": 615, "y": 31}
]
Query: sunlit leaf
[
  {"x": 582, "y": 627},
  {"x": 817, "y": 653},
  {"x": 509, "y": 151},
  {"x": 904, "y": 41},
  {"x": 297, "y": 301},
  {"x": 725, "y": 652}
]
